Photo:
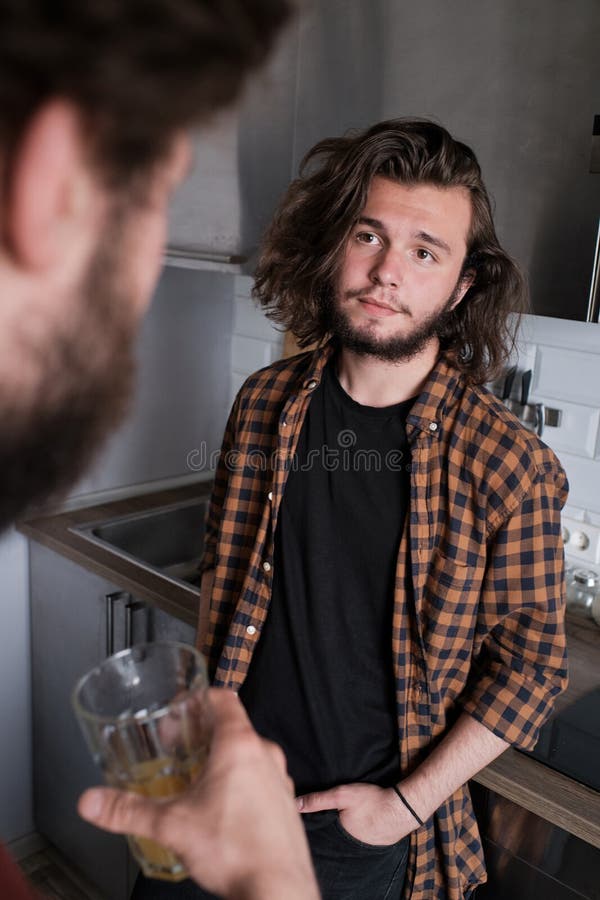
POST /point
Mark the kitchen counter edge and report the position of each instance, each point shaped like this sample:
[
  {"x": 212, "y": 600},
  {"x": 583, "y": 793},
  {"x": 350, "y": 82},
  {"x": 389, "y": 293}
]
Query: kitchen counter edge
[{"x": 55, "y": 532}]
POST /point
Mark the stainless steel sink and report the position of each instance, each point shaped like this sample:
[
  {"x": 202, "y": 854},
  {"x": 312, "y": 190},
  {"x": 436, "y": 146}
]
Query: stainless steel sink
[{"x": 167, "y": 539}]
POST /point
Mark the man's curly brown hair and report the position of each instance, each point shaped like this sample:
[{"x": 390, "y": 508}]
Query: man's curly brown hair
[
  {"x": 304, "y": 246},
  {"x": 138, "y": 70}
]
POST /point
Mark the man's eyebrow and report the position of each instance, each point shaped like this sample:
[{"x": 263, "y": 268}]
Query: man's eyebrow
[
  {"x": 419, "y": 235},
  {"x": 374, "y": 223},
  {"x": 433, "y": 240}
]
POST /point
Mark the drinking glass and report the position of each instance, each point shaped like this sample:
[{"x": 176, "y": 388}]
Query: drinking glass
[{"x": 146, "y": 718}]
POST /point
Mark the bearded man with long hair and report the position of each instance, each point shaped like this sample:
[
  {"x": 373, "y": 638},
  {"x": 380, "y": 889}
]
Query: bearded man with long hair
[{"x": 383, "y": 572}]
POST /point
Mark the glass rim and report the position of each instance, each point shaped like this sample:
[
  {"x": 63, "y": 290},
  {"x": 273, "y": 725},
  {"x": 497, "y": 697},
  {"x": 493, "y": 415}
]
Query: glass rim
[{"x": 122, "y": 720}]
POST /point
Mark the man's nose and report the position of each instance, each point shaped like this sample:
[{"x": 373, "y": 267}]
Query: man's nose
[{"x": 387, "y": 270}]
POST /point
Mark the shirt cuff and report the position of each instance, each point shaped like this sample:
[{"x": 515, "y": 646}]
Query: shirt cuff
[{"x": 512, "y": 704}]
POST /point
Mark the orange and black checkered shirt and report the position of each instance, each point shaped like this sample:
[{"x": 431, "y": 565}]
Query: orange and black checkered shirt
[{"x": 478, "y": 622}]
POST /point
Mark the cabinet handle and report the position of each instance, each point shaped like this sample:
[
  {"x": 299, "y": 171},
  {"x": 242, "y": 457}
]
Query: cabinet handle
[
  {"x": 228, "y": 259},
  {"x": 130, "y": 608},
  {"x": 110, "y": 600}
]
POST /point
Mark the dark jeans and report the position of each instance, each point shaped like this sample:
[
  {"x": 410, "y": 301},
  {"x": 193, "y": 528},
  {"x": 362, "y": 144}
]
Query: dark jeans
[{"x": 346, "y": 868}]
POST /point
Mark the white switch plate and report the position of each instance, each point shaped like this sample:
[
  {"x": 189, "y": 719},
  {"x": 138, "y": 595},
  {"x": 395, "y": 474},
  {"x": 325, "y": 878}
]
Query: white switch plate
[{"x": 582, "y": 541}]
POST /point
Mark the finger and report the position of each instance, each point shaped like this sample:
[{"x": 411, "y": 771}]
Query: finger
[
  {"x": 121, "y": 812},
  {"x": 227, "y": 708},
  {"x": 318, "y": 801},
  {"x": 277, "y": 756}
]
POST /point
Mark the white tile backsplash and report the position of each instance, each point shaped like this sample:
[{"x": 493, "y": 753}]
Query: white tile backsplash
[
  {"x": 566, "y": 366},
  {"x": 578, "y": 430},
  {"x": 527, "y": 356},
  {"x": 584, "y": 481},
  {"x": 250, "y": 354},
  {"x": 568, "y": 374},
  {"x": 256, "y": 342},
  {"x": 250, "y": 321},
  {"x": 237, "y": 380}
]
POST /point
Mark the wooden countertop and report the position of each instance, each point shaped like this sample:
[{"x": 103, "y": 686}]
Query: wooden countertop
[
  {"x": 521, "y": 779},
  {"x": 54, "y": 531},
  {"x": 538, "y": 788}
]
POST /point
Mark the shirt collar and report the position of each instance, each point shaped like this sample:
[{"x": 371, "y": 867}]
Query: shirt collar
[
  {"x": 435, "y": 400},
  {"x": 431, "y": 406},
  {"x": 316, "y": 363}
]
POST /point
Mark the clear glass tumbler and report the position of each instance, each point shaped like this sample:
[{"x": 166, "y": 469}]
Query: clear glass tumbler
[{"x": 146, "y": 718}]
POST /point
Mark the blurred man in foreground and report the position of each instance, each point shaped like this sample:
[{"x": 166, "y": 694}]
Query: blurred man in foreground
[{"x": 95, "y": 100}]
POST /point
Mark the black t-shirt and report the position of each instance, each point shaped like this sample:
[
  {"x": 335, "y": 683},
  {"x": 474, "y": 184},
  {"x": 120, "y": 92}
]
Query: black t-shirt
[{"x": 321, "y": 680}]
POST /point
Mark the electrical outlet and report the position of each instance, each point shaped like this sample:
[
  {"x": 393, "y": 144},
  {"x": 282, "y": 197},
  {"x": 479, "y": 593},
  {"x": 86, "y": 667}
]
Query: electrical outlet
[{"x": 582, "y": 541}]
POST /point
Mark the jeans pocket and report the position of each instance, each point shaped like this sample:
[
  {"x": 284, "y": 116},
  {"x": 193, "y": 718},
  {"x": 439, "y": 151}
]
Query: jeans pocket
[
  {"x": 394, "y": 888},
  {"x": 357, "y": 843}
]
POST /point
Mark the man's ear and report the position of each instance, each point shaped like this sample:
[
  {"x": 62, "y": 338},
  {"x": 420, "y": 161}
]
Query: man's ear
[
  {"x": 51, "y": 190},
  {"x": 467, "y": 280}
]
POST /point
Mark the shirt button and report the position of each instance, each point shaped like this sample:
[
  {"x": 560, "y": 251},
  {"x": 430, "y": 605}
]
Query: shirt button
[
  {"x": 433, "y": 426},
  {"x": 250, "y": 629},
  {"x": 267, "y": 566},
  {"x": 284, "y": 424},
  {"x": 270, "y": 495},
  {"x": 311, "y": 385}
]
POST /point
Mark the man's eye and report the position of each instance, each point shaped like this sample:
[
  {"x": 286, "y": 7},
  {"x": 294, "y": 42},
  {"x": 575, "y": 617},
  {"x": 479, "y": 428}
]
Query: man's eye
[
  {"x": 367, "y": 237},
  {"x": 424, "y": 254}
]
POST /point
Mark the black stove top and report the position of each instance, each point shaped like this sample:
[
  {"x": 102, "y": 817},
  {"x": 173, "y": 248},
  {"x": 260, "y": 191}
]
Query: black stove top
[{"x": 570, "y": 741}]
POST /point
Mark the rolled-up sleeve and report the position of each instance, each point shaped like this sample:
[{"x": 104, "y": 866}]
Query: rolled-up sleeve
[{"x": 520, "y": 662}]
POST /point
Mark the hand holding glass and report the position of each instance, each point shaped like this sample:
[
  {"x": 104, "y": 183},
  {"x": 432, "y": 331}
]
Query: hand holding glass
[{"x": 146, "y": 718}]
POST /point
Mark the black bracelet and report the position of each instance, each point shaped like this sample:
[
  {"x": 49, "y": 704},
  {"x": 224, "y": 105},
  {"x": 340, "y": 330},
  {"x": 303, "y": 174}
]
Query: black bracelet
[{"x": 407, "y": 805}]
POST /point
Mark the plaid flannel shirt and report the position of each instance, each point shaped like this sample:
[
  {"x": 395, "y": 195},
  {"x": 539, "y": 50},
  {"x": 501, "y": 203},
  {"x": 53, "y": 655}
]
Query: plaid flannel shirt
[{"x": 478, "y": 622}]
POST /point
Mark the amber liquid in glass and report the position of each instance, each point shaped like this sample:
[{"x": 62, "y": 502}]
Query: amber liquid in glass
[{"x": 162, "y": 778}]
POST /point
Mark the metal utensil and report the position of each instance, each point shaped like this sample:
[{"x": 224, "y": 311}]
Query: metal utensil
[
  {"x": 526, "y": 378},
  {"x": 508, "y": 383}
]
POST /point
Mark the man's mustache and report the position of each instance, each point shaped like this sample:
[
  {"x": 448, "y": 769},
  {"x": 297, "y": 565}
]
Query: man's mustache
[{"x": 375, "y": 296}]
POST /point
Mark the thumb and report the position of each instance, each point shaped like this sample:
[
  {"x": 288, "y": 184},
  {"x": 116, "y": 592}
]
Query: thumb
[
  {"x": 318, "y": 801},
  {"x": 121, "y": 812}
]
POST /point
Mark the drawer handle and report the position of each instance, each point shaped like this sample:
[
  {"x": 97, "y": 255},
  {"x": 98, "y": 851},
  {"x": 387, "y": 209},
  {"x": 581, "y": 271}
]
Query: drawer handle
[
  {"x": 130, "y": 607},
  {"x": 110, "y": 600}
]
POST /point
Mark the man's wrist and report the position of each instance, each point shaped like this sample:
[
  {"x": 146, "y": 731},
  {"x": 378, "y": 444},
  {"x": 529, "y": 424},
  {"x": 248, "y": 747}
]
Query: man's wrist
[
  {"x": 416, "y": 798},
  {"x": 415, "y": 815}
]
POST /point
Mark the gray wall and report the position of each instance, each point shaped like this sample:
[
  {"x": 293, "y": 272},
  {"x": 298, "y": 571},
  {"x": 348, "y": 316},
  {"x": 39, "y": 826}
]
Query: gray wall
[
  {"x": 519, "y": 81},
  {"x": 183, "y": 386}
]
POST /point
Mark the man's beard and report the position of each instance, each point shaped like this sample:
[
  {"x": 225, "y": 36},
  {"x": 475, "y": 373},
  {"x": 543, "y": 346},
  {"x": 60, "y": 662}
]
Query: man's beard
[
  {"x": 395, "y": 349},
  {"x": 84, "y": 378}
]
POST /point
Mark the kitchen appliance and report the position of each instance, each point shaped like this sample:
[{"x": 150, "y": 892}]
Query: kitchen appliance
[
  {"x": 570, "y": 741},
  {"x": 583, "y": 588}
]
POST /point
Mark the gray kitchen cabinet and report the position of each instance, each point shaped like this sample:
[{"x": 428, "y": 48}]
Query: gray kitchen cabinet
[
  {"x": 163, "y": 627},
  {"x": 77, "y": 617}
]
